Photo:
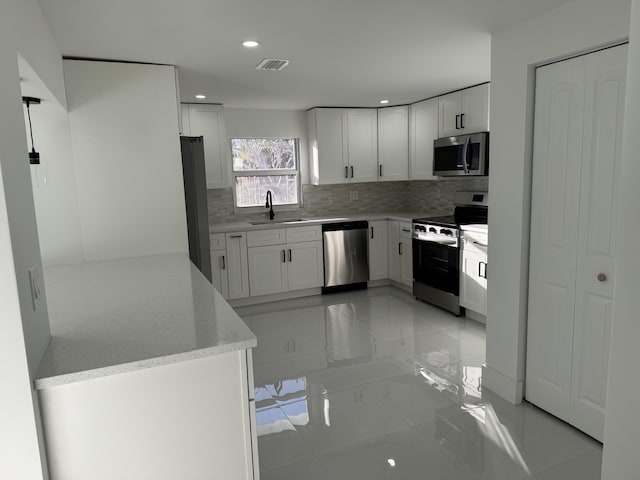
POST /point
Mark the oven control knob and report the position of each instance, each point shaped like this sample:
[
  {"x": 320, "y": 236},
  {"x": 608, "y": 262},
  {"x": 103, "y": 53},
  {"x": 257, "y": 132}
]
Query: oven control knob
[
  {"x": 444, "y": 231},
  {"x": 433, "y": 230}
]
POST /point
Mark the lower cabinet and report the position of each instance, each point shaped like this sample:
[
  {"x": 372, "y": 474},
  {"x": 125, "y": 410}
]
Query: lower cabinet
[
  {"x": 400, "y": 252},
  {"x": 473, "y": 275},
  {"x": 282, "y": 267},
  {"x": 237, "y": 265},
  {"x": 378, "y": 250},
  {"x": 219, "y": 277}
]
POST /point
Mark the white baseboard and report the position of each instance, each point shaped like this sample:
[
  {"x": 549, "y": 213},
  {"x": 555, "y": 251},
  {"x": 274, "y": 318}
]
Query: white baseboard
[
  {"x": 478, "y": 317},
  {"x": 502, "y": 385},
  {"x": 243, "y": 302}
]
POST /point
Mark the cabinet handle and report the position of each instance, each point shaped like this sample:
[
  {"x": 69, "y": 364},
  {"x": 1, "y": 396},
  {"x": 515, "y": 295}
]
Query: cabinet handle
[
  {"x": 284, "y": 258},
  {"x": 407, "y": 230},
  {"x": 224, "y": 264},
  {"x": 457, "y": 119},
  {"x": 371, "y": 232},
  {"x": 346, "y": 172},
  {"x": 351, "y": 171},
  {"x": 462, "y": 121},
  {"x": 290, "y": 256},
  {"x": 236, "y": 236},
  {"x": 400, "y": 248},
  {"x": 381, "y": 170}
]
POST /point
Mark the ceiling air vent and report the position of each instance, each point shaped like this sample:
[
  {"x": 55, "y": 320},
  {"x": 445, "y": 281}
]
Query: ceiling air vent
[{"x": 272, "y": 64}]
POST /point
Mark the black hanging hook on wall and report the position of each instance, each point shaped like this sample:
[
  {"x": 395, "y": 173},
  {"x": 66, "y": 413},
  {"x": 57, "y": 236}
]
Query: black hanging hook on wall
[{"x": 34, "y": 157}]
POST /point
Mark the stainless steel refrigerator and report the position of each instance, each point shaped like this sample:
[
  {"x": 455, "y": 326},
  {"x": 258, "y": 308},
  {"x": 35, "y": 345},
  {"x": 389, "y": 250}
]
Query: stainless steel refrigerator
[{"x": 195, "y": 195}]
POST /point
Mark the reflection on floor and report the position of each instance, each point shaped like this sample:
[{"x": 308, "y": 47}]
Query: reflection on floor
[{"x": 376, "y": 385}]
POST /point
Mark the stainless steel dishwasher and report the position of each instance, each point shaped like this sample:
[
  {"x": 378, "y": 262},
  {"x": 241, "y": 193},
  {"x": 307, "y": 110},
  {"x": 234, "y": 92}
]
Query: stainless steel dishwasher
[{"x": 346, "y": 255}]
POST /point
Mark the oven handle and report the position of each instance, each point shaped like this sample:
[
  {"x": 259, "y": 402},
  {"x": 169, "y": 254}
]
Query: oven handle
[{"x": 447, "y": 242}]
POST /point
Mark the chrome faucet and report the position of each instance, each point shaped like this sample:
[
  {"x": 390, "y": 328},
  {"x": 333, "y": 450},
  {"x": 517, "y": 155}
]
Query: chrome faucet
[{"x": 269, "y": 205}]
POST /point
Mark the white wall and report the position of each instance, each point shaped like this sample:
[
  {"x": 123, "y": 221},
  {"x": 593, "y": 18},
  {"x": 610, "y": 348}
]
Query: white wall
[
  {"x": 54, "y": 188},
  {"x": 126, "y": 148},
  {"x": 622, "y": 427},
  {"x": 242, "y": 122},
  {"x": 576, "y": 27},
  {"x": 24, "y": 333}
]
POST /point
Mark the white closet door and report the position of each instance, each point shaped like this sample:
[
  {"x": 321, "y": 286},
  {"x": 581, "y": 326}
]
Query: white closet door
[
  {"x": 557, "y": 156},
  {"x": 599, "y": 201}
]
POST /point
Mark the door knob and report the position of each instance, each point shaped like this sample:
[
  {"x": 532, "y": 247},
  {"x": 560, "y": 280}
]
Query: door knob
[{"x": 601, "y": 277}]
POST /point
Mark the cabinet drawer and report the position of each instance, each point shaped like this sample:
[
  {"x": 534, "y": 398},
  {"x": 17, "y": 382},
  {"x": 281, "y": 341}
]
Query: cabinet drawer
[
  {"x": 405, "y": 230},
  {"x": 216, "y": 241},
  {"x": 263, "y": 238},
  {"x": 309, "y": 233}
]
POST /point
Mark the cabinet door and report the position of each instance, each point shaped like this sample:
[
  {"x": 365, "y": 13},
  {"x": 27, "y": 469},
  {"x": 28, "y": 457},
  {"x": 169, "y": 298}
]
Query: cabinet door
[
  {"x": 208, "y": 121},
  {"x": 449, "y": 107},
  {"x": 305, "y": 265},
  {"x": 329, "y": 148},
  {"x": 423, "y": 130},
  {"x": 393, "y": 143},
  {"x": 267, "y": 270},
  {"x": 599, "y": 205},
  {"x": 362, "y": 144},
  {"x": 473, "y": 284},
  {"x": 237, "y": 265},
  {"x": 378, "y": 250},
  {"x": 219, "y": 277},
  {"x": 394, "y": 250},
  {"x": 475, "y": 109}
]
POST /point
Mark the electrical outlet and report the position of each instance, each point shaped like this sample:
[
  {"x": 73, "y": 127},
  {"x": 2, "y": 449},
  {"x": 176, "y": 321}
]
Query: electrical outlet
[
  {"x": 353, "y": 195},
  {"x": 35, "y": 279}
]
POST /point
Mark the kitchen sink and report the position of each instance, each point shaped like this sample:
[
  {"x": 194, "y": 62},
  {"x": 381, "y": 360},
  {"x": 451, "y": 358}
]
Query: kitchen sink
[{"x": 274, "y": 222}]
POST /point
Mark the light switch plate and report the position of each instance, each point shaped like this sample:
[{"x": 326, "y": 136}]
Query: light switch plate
[{"x": 35, "y": 280}]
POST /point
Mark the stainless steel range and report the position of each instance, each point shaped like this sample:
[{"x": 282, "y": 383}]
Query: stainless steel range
[{"x": 436, "y": 251}]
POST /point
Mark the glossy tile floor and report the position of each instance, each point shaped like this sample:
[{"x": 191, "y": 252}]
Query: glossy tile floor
[{"x": 376, "y": 385}]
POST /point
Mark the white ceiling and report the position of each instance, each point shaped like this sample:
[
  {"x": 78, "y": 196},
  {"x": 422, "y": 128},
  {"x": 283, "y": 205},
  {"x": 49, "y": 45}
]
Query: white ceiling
[{"x": 342, "y": 52}]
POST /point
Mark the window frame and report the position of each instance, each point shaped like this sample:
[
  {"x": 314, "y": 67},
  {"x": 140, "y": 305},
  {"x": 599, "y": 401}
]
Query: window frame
[{"x": 267, "y": 173}]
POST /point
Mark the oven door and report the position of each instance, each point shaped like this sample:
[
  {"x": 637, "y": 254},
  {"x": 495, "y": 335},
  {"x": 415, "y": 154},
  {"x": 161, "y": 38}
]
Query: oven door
[
  {"x": 437, "y": 265},
  {"x": 461, "y": 155}
]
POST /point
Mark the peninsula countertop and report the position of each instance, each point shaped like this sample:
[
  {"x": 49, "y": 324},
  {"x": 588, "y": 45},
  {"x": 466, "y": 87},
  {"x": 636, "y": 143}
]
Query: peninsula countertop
[{"x": 116, "y": 316}]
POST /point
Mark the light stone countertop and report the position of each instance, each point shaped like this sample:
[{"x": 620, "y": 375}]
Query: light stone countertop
[
  {"x": 117, "y": 316},
  {"x": 245, "y": 226},
  {"x": 480, "y": 228}
]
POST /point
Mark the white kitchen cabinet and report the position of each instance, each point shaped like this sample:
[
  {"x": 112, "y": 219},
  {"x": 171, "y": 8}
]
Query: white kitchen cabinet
[
  {"x": 473, "y": 274},
  {"x": 219, "y": 277},
  {"x": 423, "y": 130},
  {"x": 393, "y": 143},
  {"x": 305, "y": 265},
  {"x": 276, "y": 266},
  {"x": 208, "y": 121},
  {"x": 574, "y": 218},
  {"x": 237, "y": 265},
  {"x": 400, "y": 252},
  {"x": 267, "y": 270},
  {"x": 378, "y": 250},
  {"x": 464, "y": 111},
  {"x": 343, "y": 145}
]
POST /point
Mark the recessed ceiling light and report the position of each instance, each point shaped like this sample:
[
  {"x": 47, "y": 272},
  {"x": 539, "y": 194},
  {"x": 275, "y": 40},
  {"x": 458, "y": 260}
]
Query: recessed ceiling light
[
  {"x": 384, "y": 102},
  {"x": 250, "y": 43},
  {"x": 201, "y": 97}
]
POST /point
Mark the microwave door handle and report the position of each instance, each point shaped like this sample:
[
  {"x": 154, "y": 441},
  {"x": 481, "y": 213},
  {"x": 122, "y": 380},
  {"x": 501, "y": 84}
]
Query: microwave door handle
[{"x": 464, "y": 154}]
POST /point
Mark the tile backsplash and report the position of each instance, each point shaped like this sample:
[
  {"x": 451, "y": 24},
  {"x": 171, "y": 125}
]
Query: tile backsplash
[{"x": 428, "y": 196}]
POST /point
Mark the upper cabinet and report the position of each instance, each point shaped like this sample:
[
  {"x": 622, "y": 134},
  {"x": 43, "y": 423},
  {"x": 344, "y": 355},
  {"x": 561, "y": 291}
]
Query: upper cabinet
[
  {"x": 464, "y": 111},
  {"x": 393, "y": 143},
  {"x": 423, "y": 130},
  {"x": 343, "y": 145},
  {"x": 208, "y": 121}
]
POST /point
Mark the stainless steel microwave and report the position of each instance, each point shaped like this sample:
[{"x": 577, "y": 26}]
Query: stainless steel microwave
[{"x": 461, "y": 155}]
